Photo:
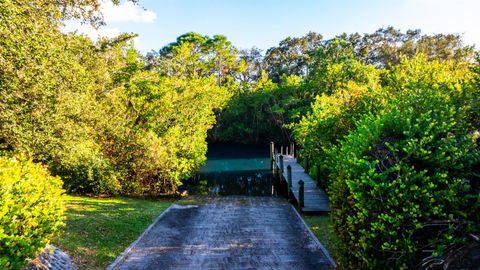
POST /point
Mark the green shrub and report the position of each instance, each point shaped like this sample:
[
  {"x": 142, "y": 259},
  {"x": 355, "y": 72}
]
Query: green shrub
[
  {"x": 31, "y": 210},
  {"x": 396, "y": 171},
  {"x": 331, "y": 118},
  {"x": 85, "y": 170}
]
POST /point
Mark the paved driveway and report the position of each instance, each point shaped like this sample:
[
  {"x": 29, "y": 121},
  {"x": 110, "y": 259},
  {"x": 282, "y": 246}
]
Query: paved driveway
[{"x": 227, "y": 233}]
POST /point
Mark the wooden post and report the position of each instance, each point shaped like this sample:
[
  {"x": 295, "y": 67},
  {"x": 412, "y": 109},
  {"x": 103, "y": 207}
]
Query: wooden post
[
  {"x": 292, "y": 149},
  {"x": 317, "y": 174},
  {"x": 286, "y": 151},
  {"x": 281, "y": 150},
  {"x": 281, "y": 166},
  {"x": 301, "y": 194},
  {"x": 277, "y": 167},
  {"x": 289, "y": 179},
  {"x": 272, "y": 151},
  {"x": 272, "y": 155}
]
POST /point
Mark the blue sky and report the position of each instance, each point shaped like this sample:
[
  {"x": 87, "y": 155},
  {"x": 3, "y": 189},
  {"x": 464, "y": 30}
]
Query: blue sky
[{"x": 263, "y": 23}]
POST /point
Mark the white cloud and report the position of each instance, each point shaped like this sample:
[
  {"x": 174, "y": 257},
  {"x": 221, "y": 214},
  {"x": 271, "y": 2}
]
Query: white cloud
[
  {"x": 126, "y": 12},
  {"x": 93, "y": 33}
]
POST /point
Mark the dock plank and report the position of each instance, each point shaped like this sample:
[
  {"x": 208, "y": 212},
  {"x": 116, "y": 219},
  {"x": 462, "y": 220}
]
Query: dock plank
[{"x": 315, "y": 199}]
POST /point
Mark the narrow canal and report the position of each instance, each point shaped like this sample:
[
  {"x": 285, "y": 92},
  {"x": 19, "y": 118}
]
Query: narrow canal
[{"x": 233, "y": 169}]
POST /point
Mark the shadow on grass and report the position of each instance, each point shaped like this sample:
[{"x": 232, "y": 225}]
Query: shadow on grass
[{"x": 98, "y": 230}]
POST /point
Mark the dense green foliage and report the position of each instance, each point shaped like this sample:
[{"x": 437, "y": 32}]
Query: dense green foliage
[
  {"x": 46, "y": 99},
  {"x": 94, "y": 113},
  {"x": 31, "y": 210},
  {"x": 300, "y": 69},
  {"x": 262, "y": 113},
  {"x": 397, "y": 157}
]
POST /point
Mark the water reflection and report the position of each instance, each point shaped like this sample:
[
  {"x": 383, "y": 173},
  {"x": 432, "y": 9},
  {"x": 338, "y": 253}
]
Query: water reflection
[
  {"x": 245, "y": 172},
  {"x": 254, "y": 183},
  {"x": 236, "y": 165}
]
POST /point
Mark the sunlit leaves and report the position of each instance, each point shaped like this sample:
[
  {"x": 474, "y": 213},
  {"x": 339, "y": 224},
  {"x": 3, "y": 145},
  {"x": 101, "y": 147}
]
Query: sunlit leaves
[
  {"x": 406, "y": 162},
  {"x": 31, "y": 209}
]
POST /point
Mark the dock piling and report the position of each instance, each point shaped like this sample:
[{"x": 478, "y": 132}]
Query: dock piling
[
  {"x": 301, "y": 193},
  {"x": 313, "y": 199},
  {"x": 272, "y": 151},
  {"x": 282, "y": 169},
  {"x": 305, "y": 164},
  {"x": 289, "y": 180}
]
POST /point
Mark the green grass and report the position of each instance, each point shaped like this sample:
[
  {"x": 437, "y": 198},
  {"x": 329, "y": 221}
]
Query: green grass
[
  {"x": 321, "y": 226},
  {"x": 98, "y": 230}
]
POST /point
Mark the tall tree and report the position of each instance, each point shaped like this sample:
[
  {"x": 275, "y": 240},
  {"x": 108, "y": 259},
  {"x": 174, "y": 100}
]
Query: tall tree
[
  {"x": 194, "y": 55},
  {"x": 384, "y": 47},
  {"x": 249, "y": 68},
  {"x": 292, "y": 56}
]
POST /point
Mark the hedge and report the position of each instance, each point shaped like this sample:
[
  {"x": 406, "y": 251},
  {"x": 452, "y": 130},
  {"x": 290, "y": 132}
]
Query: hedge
[{"x": 31, "y": 210}]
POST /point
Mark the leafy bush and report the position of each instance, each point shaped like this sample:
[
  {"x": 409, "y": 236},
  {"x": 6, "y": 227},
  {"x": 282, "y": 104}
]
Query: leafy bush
[
  {"x": 391, "y": 175},
  {"x": 85, "y": 170},
  {"x": 331, "y": 118},
  {"x": 31, "y": 210},
  {"x": 416, "y": 161}
]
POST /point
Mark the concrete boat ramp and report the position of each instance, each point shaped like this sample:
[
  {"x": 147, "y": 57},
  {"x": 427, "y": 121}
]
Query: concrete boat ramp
[{"x": 234, "y": 232}]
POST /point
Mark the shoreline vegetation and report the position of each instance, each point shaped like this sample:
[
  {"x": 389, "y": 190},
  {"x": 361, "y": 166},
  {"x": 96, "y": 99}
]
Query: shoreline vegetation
[{"x": 391, "y": 120}]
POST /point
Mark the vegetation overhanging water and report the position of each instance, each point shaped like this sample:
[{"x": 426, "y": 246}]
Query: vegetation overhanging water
[{"x": 233, "y": 169}]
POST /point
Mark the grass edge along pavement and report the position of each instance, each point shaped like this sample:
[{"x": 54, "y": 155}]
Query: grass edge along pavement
[
  {"x": 122, "y": 256},
  {"x": 99, "y": 229},
  {"x": 154, "y": 236},
  {"x": 321, "y": 226}
]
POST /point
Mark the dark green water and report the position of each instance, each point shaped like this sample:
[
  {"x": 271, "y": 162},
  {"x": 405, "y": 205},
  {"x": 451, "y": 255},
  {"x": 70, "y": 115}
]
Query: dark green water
[{"x": 235, "y": 170}]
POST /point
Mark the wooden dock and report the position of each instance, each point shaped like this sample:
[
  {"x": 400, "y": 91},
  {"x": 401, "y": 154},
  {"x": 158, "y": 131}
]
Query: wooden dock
[{"x": 315, "y": 199}]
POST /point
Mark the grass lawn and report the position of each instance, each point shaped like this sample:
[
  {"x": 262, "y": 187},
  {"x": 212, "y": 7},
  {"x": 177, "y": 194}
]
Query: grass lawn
[
  {"x": 98, "y": 230},
  {"x": 321, "y": 226}
]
